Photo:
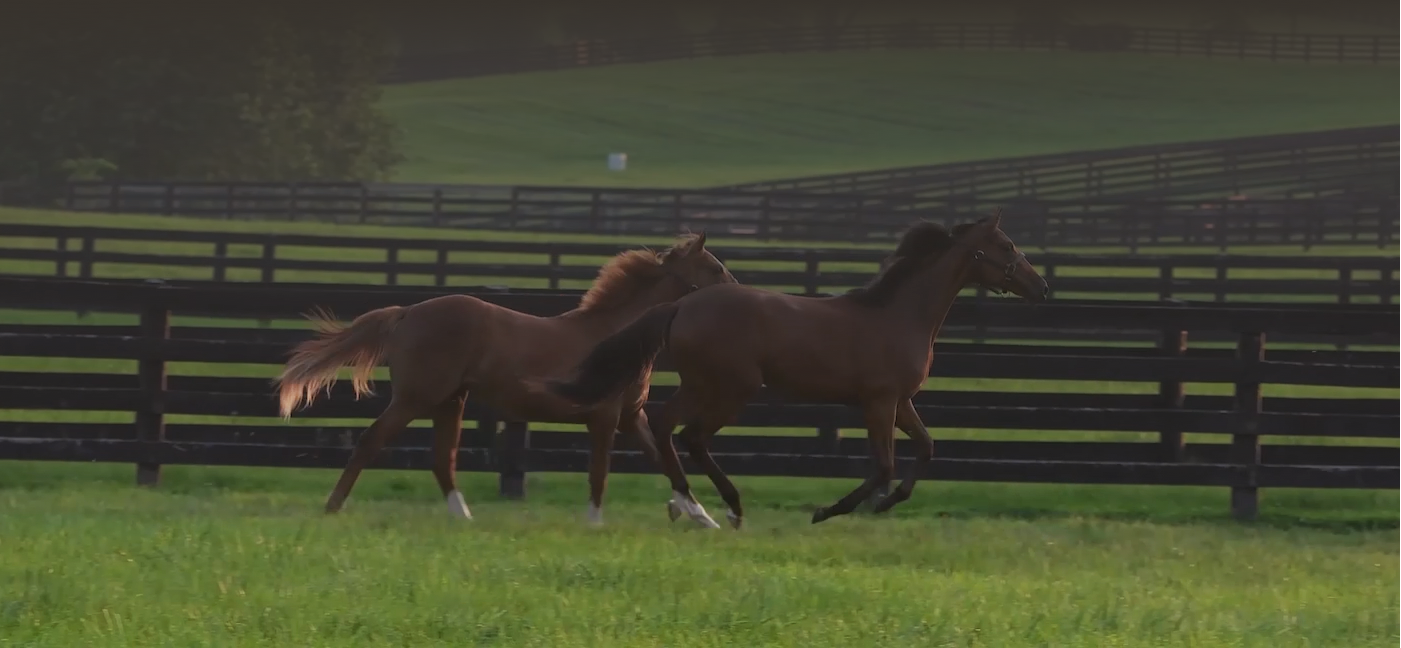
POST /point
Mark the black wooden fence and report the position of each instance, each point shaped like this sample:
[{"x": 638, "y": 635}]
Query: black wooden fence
[
  {"x": 765, "y": 216},
  {"x": 101, "y": 253},
  {"x": 1255, "y": 457},
  {"x": 1323, "y": 48},
  {"x": 1351, "y": 161}
]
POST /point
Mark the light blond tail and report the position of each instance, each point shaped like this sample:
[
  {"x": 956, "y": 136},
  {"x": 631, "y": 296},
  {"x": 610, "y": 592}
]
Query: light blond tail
[{"x": 314, "y": 363}]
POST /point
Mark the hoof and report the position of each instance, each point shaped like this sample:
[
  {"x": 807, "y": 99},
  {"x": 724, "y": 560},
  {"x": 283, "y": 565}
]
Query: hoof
[
  {"x": 735, "y": 521},
  {"x": 673, "y": 510},
  {"x": 705, "y": 522},
  {"x": 820, "y": 514}
]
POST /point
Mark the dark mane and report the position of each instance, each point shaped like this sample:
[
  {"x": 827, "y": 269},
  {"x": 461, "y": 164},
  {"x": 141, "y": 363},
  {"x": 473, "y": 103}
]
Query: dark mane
[{"x": 921, "y": 244}]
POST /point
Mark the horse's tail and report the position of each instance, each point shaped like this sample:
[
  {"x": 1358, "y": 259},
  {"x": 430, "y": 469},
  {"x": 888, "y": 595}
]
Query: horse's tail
[
  {"x": 620, "y": 359},
  {"x": 314, "y": 363}
]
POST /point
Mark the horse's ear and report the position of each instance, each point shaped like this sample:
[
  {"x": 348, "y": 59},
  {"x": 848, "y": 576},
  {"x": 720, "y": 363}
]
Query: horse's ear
[
  {"x": 995, "y": 220},
  {"x": 696, "y": 245}
]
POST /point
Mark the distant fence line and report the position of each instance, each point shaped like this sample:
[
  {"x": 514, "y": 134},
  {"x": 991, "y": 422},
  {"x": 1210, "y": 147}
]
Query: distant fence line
[
  {"x": 1331, "y": 48},
  {"x": 1245, "y": 464},
  {"x": 1310, "y": 164},
  {"x": 765, "y": 216},
  {"x": 1341, "y": 163},
  {"x": 100, "y": 253}
]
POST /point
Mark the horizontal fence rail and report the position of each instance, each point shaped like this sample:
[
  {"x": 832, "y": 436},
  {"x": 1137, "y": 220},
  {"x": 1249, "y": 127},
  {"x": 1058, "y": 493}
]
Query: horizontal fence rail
[
  {"x": 1322, "y": 48},
  {"x": 785, "y": 216},
  {"x": 1343, "y": 161},
  {"x": 98, "y": 253},
  {"x": 160, "y": 430}
]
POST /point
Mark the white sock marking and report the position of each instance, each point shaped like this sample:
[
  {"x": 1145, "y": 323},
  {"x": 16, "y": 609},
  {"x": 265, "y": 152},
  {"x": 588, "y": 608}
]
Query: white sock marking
[
  {"x": 595, "y": 515},
  {"x": 694, "y": 509},
  {"x": 458, "y": 506}
]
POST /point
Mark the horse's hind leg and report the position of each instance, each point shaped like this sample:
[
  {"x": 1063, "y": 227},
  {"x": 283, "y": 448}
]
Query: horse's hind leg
[
  {"x": 447, "y": 436},
  {"x": 390, "y": 422},
  {"x": 697, "y": 436},
  {"x": 908, "y": 421},
  {"x": 601, "y": 427},
  {"x": 880, "y": 423},
  {"x": 677, "y": 408}
]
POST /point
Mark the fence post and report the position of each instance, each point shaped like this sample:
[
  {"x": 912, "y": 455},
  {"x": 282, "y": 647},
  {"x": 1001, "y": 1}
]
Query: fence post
[
  {"x": 511, "y": 447},
  {"x": 1345, "y": 291},
  {"x": 364, "y": 203},
  {"x": 169, "y": 200},
  {"x": 61, "y": 258},
  {"x": 1172, "y": 395},
  {"x": 440, "y": 268},
  {"x": 269, "y": 268},
  {"x": 764, "y": 217},
  {"x": 150, "y": 418},
  {"x": 391, "y": 266},
  {"x": 85, "y": 260},
  {"x": 292, "y": 201},
  {"x": 554, "y": 270},
  {"x": 221, "y": 252},
  {"x": 1165, "y": 281},
  {"x": 829, "y": 438},
  {"x": 1245, "y": 444},
  {"x": 812, "y": 274},
  {"x": 1221, "y": 271},
  {"x": 437, "y": 206}
]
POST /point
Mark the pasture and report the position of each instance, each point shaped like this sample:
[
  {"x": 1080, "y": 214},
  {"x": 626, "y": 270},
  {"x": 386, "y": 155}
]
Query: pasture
[
  {"x": 750, "y": 118},
  {"x": 243, "y": 557}
]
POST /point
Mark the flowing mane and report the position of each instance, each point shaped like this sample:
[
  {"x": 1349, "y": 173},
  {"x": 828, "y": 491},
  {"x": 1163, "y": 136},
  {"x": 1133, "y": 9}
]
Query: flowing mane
[
  {"x": 627, "y": 273},
  {"x": 923, "y": 242}
]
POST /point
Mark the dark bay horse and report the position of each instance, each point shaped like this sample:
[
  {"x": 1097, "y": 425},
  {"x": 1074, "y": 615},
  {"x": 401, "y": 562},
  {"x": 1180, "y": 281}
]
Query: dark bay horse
[
  {"x": 441, "y": 349},
  {"x": 870, "y": 347}
]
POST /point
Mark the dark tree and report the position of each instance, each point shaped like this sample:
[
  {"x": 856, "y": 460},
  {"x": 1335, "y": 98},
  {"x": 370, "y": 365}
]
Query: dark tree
[{"x": 239, "y": 94}]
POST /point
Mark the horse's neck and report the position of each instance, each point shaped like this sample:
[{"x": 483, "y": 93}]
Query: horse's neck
[
  {"x": 924, "y": 301},
  {"x": 613, "y": 318}
]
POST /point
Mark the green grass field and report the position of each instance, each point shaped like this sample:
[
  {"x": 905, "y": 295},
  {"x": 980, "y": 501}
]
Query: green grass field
[
  {"x": 736, "y": 119},
  {"x": 243, "y": 557}
]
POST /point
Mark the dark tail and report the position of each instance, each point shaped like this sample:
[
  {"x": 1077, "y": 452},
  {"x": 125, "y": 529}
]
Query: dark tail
[{"x": 619, "y": 360}]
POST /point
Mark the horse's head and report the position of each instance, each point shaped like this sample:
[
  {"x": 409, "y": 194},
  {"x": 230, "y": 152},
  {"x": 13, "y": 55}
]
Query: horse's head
[
  {"x": 693, "y": 265},
  {"x": 997, "y": 263}
]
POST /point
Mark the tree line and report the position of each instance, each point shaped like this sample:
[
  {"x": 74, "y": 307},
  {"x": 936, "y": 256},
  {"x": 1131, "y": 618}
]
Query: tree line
[{"x": 250, "y": 92}]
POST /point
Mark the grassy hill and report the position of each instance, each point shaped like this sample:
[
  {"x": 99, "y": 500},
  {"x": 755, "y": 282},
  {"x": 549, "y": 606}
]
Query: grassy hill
[{"x": 714, "y": 121}]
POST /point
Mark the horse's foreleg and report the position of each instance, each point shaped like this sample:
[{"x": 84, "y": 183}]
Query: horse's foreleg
[
  {"x": 393, "y": 420},
  {"x": 447, "y": 436},
  {"x": 601, "y": 427},
  {"x": 880, "y": 433},
  {"x": 908, "y": 421}
]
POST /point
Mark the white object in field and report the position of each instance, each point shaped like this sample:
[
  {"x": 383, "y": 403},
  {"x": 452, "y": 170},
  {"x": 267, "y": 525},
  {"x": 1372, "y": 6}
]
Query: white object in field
[{"x": 617, "y": 161}]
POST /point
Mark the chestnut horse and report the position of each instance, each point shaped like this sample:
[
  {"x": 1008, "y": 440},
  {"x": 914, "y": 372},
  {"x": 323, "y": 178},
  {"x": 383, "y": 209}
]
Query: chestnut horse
[
  {"x": 870, "y": 347},
  {"x": 443, "y": 348}
]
